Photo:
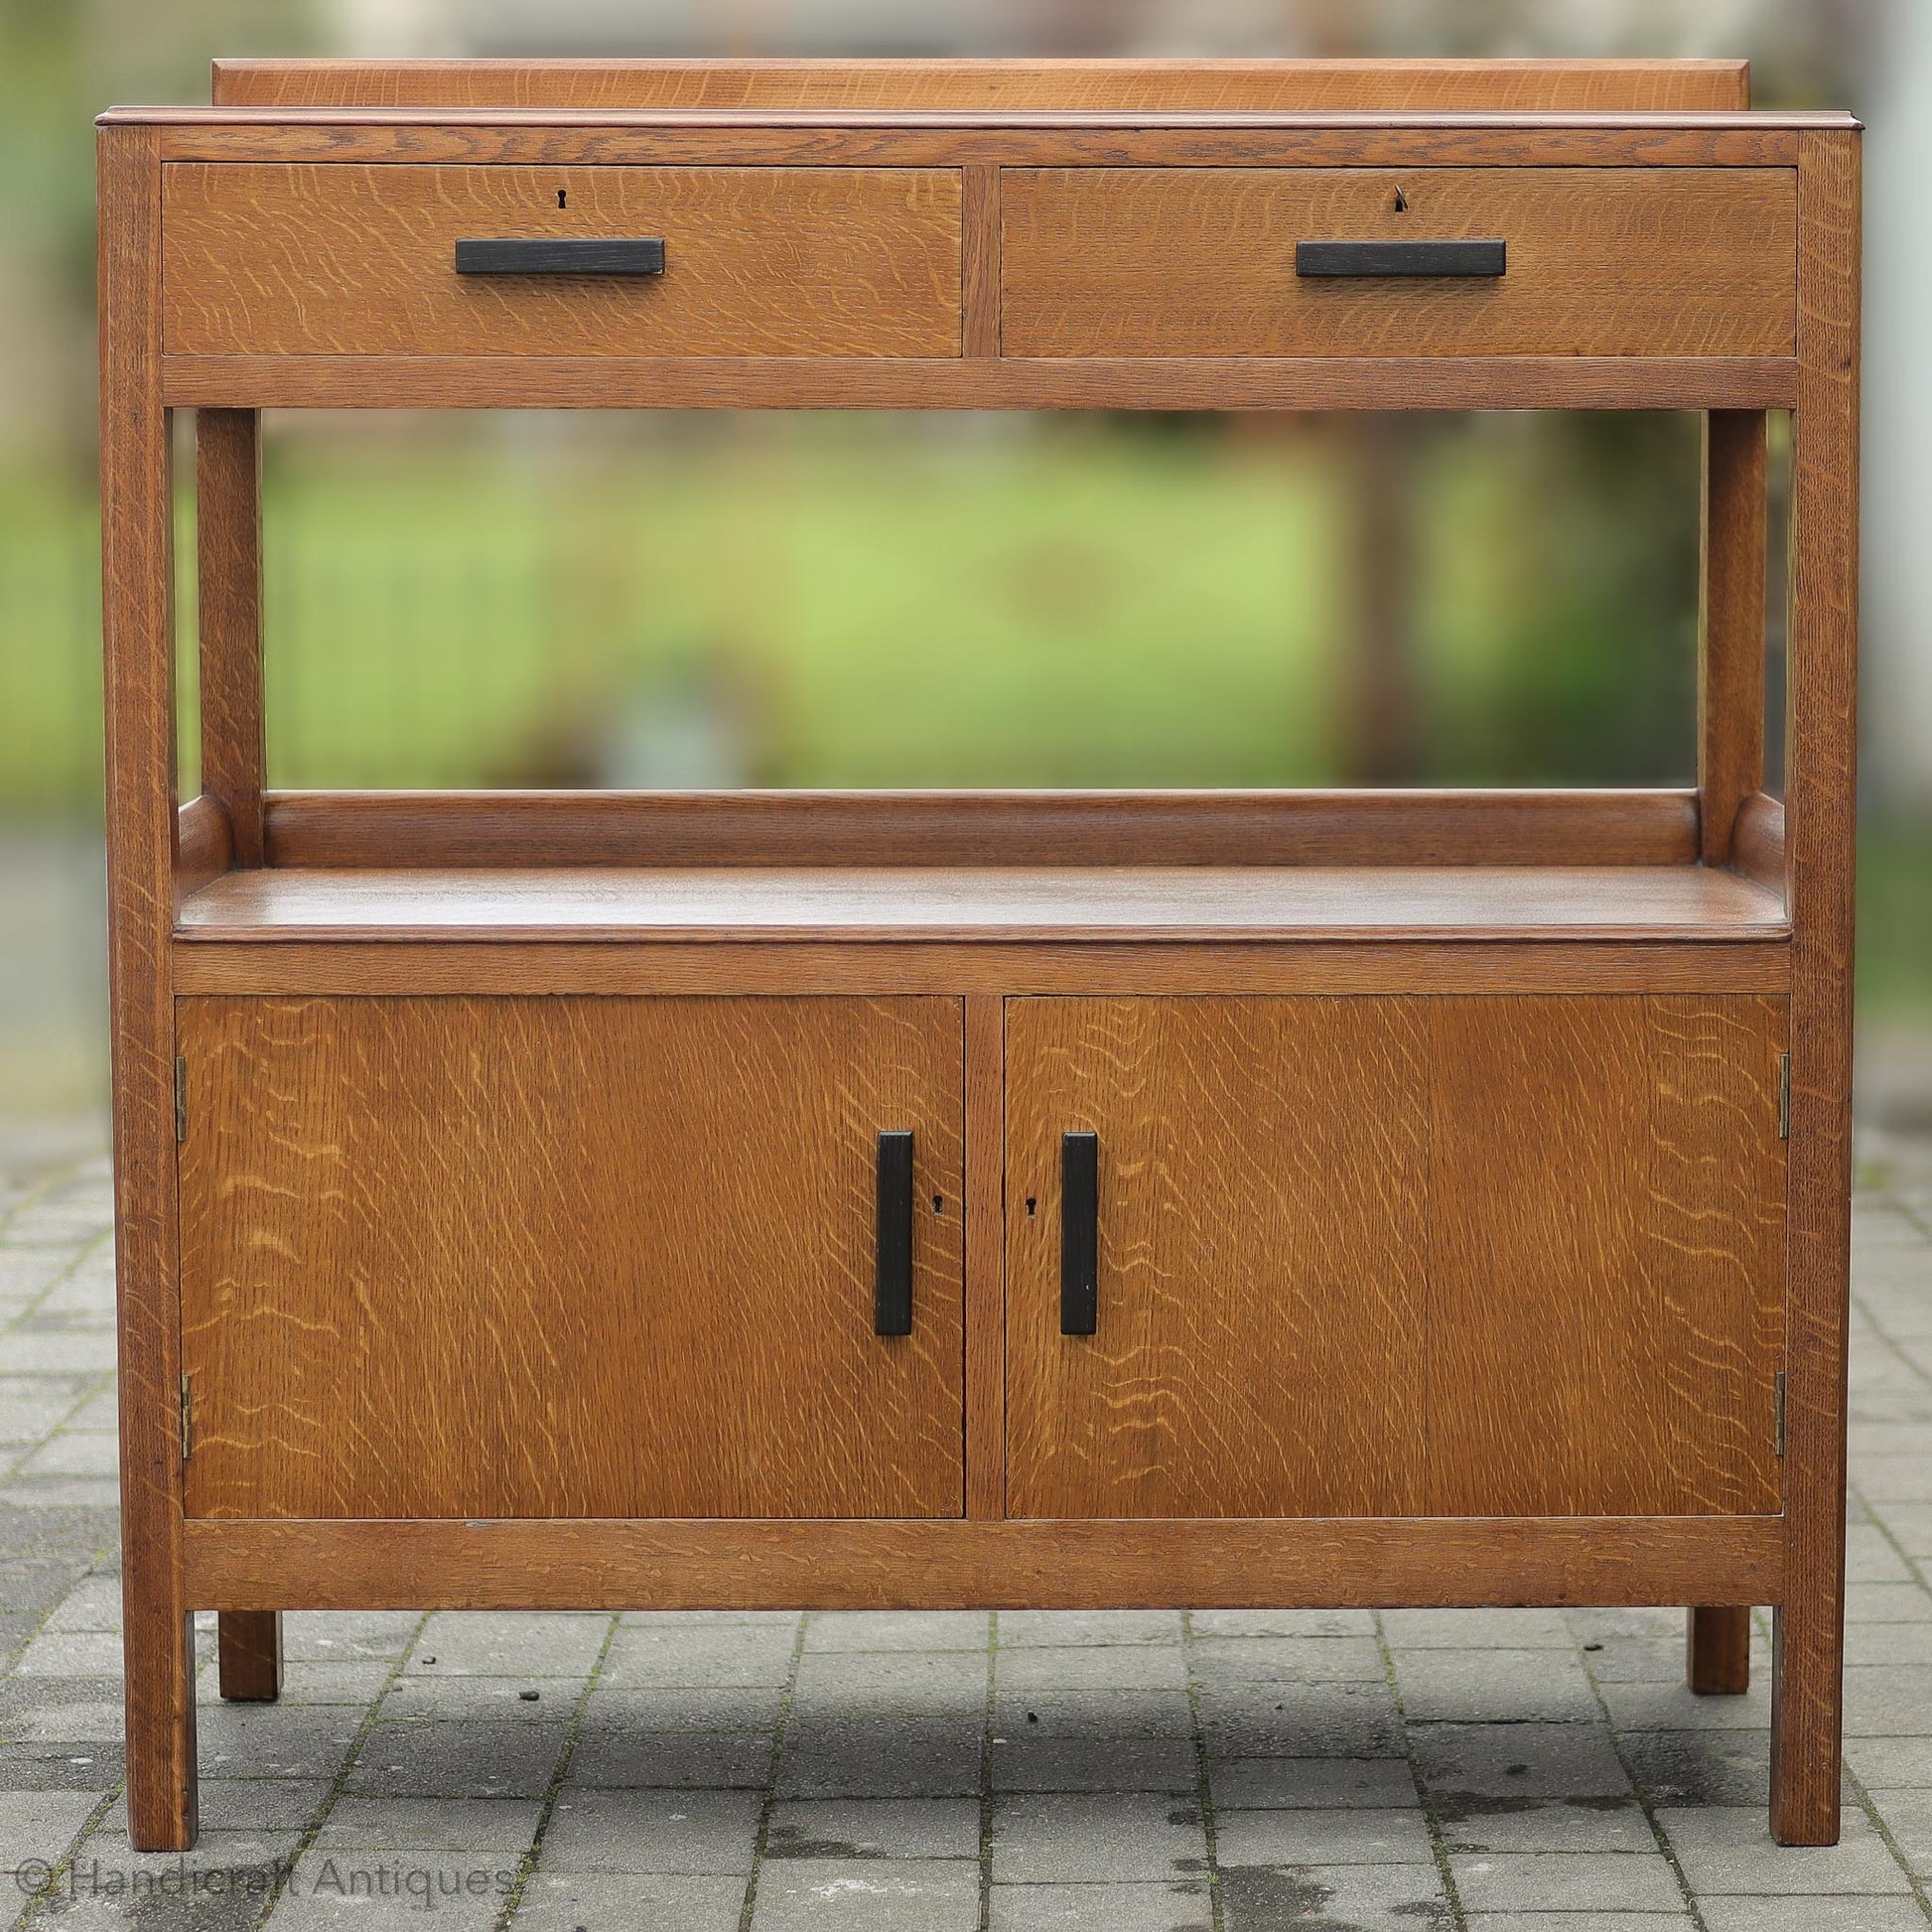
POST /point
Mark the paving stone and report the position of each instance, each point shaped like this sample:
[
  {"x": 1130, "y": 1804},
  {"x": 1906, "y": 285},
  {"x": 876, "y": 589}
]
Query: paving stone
[
  {"x": 1362, "y": 1897},
  {"x": 566, "y": 1902},
  {"x": 351, "y": 1684},
  {"x": 1701, "y": 1767},
  {"x": 874, "y": 1828},
  {"x": 1895, "y": 1478},
  {"x": 1575, "y": 1921},
  {"x": 1280, "y": 1623},
  {"x": 481, "y": 1643},
  {"x": 1512, "y": 1686},
  {"x": 498, "y": 1700},
  {"x": 682, "y": 1832},
  {"x": 70, "y": 1764},
  {"x": 1124, "y": 1667},
  {"x": 1287, "y": 1660},
  {"x": 1092, "y": 1714},
  {"x": 1034, "y": 1629},
  {"x": 685, "y": 1759},
  {"x": 930, "y": 1682},
  {"x": 31, "y": 1413},
  {"x": 867, "y": 1895},
  {"x": 681, "y": 1706},
  {"x": 1729, "y": 1848},
  {"x": 1032, "y": 1763},
  {"x": 1638, "y": 1660},
  {"x": 1062, "y": 1838},
  {"x": 1356, "y": 1836},
  {"x": 881, "y": 1757},
  {"x": 1463, "y": 1764},
  {"x": 1180, "y": 1906},
  {"x": 348, "y": 1636},
  {"x": 1296, "y": 1783},
  {"x": 1548, "y": 1881},
  {"x": 381, "y": 1891},
  {"x": 87, "y": 1719},
  {"x": 1676, "y": 1707},
  {"x": 1887, "y": 1702},
  {"x": 1870, "y": 1555},
  {"x": 1889, "y": 1644},
  {"x": 263, "y": 1805},
  {"x": 429, "y": 1824},
  {"x": 71, "y": 1653},
  {"x": 1891, "y": 1762},
  {"x": 59, "y": 1353},
  {"x": 897, "y": 1631},
  {"x": 1887, "y": 1604},
  {"x": 475, "y": 1759},
  {"x": 40, "y": 1825},
  {"x": 713, "y": 1657},
  {"x": 1555, "y": 1825},
  {"x": 94, "y": 1603},
  {"x": 1854, "y": 1914},
  {"x": 1482, "y": 1630},
  {"x": 1908, "y": 1815},
  {"x": 1300, "y": 1721}
]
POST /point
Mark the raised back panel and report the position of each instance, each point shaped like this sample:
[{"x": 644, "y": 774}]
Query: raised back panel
[{"x": 1029, "y": 87}]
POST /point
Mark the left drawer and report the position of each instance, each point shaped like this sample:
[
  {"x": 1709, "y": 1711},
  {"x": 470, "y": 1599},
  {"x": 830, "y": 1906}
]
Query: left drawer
[{"x": 338, "y": 259}]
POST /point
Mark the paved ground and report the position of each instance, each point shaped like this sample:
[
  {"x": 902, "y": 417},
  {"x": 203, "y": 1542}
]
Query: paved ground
[{"x": 1144, "y": 1771}]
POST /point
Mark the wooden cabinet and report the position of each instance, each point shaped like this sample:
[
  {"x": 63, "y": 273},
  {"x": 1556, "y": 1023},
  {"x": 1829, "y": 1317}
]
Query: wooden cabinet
[
  {"x": 566, "y": 1257},
  {"x": 1399, "y": 1257},
  {"x": 514, "y": 1208}
]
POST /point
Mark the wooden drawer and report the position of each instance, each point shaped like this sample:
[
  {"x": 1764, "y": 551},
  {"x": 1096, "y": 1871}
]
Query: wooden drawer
[
  {"x": 1201, "y": 262},
  {"x": 448, "y": 1256},
  {"x": 346, "y": 260},
  {"x": 1498, "y": 1256}
]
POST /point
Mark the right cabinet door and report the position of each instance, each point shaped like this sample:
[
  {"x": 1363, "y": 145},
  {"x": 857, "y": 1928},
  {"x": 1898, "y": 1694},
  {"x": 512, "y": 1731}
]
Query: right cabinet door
[{"x": 1392, "y": 1256}]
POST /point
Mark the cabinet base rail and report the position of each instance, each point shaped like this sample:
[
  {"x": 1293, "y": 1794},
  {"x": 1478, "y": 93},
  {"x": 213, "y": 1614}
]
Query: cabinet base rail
[{"x": 1233, "y": 1562}]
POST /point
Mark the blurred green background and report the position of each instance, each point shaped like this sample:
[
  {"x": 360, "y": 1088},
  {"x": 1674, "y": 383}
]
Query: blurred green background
[{"x": 895, "y": 600}]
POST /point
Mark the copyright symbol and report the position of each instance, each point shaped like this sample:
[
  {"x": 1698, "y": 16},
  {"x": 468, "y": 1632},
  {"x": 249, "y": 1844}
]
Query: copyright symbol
[{"x": 34, "y": 1876}]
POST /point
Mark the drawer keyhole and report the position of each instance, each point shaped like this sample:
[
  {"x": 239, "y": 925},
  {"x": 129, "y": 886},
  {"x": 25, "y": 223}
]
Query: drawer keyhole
[
  {"x": 1401, "y": 201},
  {"x": 562, "y": 191}
]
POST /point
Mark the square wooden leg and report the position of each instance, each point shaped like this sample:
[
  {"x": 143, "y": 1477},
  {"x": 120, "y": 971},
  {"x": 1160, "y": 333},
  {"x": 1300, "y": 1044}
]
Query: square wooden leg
[
  {"x": 159, "y": 1653},
  {"x": 251, "y": 1655},
  {"x": 1718, "y": 1650},
  {"x": 1807, "y": 1689}
]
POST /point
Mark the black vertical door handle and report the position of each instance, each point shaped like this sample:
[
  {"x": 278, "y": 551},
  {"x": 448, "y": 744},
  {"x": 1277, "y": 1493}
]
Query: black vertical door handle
[
  {"x": 892, "y": 1293},
  {"x": 1079, "y": 1233}
]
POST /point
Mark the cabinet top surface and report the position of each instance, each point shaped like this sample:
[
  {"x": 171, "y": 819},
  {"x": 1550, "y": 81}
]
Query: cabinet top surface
[{"x": 989, "y": 93}]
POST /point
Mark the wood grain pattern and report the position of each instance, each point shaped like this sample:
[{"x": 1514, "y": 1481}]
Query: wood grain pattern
[
  {"x": 979, "y": 828},
  {"x": 930, "y": 86},
  {"x": 1718, "y": 1650},
  {"x": 249, "y": 1647},
  {"x": 986, "y": 1283},
  {"x": 770, "y": 965},
  {"x": 1200, "y": 262},
  {"x": 1263, "y": 1257},
  {"x": 566, "y": 1258},
  {"x": 914, "y": 382},
  {"x": 1221, "y": 1563},
  {"x": 203, "y": 845},
  {"x": 1533, "y": 1246},
  {"x": 137, "y": 622},
  {"x": 980, "y": 271},
  {"x": 990, "y": 140},
  {"x": 358, "y": 261},
  {"x": 965, "y": 904},
  {"x": 1821, "y": 808},
  {"x": 229, "y": 543},
  {"x": 1757, "y": 842},
  {"x": 1730, "y": 625},
  {"x": 1607, "y": 1315}
]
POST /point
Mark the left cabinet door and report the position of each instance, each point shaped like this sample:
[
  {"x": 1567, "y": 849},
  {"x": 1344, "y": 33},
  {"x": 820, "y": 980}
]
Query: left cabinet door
[{"x": 567, "y": 1256}]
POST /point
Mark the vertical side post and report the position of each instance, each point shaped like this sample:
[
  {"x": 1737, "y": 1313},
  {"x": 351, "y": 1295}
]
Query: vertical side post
[
  {"x": 250, "y": 1655},
  {"x": 980, "y": 237},
  {"x": 229, "y": 539},
  {"x": 986, "y": 1258},
  {"x": 1718, "y": 1650},
  {"x": 137, "y": 621},
  {"x": 1809, "y": 1644},
  {"x": 1730, "y": 625}
]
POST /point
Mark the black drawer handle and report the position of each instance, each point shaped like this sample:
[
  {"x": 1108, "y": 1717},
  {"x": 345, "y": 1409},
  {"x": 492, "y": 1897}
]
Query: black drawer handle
[
  {"x": 560, "y": 255},
  {"x": 892, "y": 1295},
  {"x": 1079, "y": 1233},
  {"x": 1378, "y": 258}
]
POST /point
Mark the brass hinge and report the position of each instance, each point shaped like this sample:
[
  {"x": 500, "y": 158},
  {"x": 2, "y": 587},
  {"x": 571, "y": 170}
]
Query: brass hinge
[
  {"x": 1779, "y": 1437},
  {"x": 180, "y": 1100},
  {"x": 1784, "y": 1096},
  {"x": 186, "y": 1416}
]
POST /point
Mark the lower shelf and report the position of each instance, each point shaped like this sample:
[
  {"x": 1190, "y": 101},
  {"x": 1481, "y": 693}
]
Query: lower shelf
[{"x": 1172, "y": 903}]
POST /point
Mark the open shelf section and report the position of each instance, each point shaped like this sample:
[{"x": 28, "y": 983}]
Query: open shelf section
[{"x": 996, "y": 903}]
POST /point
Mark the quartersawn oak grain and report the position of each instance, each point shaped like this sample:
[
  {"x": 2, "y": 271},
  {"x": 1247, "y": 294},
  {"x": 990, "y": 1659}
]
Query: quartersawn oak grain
[
  {"x": 345, "y": 260},
  {"x": 1730, "y": 625},
  {"x": 1200, "y": 262},
  {"x": 553, "y": 1257}
]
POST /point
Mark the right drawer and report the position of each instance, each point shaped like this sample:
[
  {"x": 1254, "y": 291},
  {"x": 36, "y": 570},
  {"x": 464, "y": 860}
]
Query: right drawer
[{"x": 1201, "y": 262}]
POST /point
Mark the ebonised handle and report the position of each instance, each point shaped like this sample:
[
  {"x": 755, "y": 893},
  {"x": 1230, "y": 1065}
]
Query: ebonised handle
[
  {"x": 893, "y": 1294},
  {"x": 1401, "y": 258},
  {"x": 1079, "y": 1233},
  {"x": 561, "y": 255}
]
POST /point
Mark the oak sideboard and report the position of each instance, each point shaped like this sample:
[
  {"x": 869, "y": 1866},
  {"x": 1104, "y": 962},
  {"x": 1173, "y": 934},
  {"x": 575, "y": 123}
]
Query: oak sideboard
[{"x": 1015, "y": 1198}]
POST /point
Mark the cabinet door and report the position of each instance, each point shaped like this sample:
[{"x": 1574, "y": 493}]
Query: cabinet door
[
  {"x": 1394, "y": 1256},
  {"x": 567, "y": 1256}
]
